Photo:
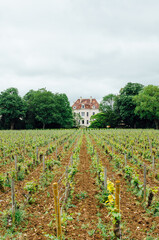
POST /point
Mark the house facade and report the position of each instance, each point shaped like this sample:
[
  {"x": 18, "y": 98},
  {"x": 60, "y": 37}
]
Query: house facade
[{"x": 85, "y": 108}]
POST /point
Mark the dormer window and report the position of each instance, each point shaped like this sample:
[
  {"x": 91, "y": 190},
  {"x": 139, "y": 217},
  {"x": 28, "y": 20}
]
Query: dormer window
[{"x": 82, "y": 105}]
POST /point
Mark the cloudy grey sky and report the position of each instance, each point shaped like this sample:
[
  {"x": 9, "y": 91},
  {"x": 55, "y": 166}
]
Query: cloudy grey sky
[{"x": 78, "y": 47}]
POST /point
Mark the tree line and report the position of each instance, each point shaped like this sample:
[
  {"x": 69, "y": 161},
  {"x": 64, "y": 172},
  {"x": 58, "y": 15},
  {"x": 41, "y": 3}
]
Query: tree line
[
  {"x": 136, "y": 106},
  {"x": 37, "y": 109}
]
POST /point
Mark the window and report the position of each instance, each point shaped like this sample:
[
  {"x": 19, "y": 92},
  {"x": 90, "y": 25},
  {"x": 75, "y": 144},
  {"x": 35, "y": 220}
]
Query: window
[
  {"x": 93, "y": 113},
  {"x": 87, "y": 122},
  {"x": 87, "y": 114},
  {"x": 94, "y": 107},
  {"x": 82, "y": 105},
  {"x": 82, "y": 121},
  {"x": 82, "y": 114},
  {"x": 74, "y": 107}
]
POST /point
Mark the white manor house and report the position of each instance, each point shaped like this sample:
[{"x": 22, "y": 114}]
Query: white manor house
[{"x": 86, "y": 108}]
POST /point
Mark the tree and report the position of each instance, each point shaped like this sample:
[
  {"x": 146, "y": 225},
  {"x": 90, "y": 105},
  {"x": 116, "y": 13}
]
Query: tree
[
  {"x": 107, "y": 103},
  {"x": 48, "y": 109},
  {"x": 125, "y": 104},
  {"x": 12, "y": 107},
  {"x": 98, "y": 121},
  {"x": 63, "y": 110},
  {"x": 76, "y": 119},
  {"x": 147, "y": 104},
  {"x": 30, "y": 120},
  {"x": 40, "y": 105},
  {"x": 107, "y": 116}
]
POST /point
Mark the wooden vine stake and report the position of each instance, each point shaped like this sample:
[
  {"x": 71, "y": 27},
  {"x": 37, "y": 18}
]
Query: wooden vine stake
[
  {"x": 117, "y": 229},
  {"x": 105, "y": 178},
  {"x": 43, "y": 163},
  {"x": 13, "y": 201},
  {"x": 57, "y": 211},
  {"x": 144, "y": 183},
  {"x": 153, "y": 162}
]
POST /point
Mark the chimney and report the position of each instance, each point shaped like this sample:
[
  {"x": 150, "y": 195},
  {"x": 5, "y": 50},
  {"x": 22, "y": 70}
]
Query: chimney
[
  {"x": 91, "y": 99},
  {"x": 80, "y": 99}
]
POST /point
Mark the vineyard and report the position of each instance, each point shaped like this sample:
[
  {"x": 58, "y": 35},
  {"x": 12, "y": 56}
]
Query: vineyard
[{"x": 107, "y": 184}]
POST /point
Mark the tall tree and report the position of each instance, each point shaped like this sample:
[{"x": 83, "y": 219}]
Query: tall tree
[
  {"x": 147, "y": 104},
  {"x": 99, "y": 121},
  {"x": 108, "y": 115},
  {"x": 30, "y": 120},
  {"x": 107, "y": 103},
  {"x": 125, "y": 104},
  {"x": 40, "y": 106},
  {"x": 76, "y": 119},
  {"x": 12, "y": 107},
  {"x": 48, "y": 109},
  {"x": 64, "y": 116}
]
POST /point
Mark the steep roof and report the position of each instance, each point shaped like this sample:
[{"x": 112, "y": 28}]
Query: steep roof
[{"x": 90, "y": 103}]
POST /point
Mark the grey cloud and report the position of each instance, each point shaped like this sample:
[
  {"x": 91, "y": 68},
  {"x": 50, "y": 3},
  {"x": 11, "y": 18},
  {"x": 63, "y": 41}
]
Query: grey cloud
[{"x": 84, "y": 47}]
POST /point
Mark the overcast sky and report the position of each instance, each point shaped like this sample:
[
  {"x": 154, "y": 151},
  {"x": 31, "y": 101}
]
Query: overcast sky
[{"x": 78, "y": 47}]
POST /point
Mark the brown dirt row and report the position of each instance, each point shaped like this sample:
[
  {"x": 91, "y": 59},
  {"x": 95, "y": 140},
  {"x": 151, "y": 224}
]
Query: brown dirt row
[
  {"x": 137, "y": 223},
  {"x": 86, "y": 210}
]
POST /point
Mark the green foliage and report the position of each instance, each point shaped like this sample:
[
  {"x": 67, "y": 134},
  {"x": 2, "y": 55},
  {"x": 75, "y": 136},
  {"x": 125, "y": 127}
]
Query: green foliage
[
  {"x": 72, "y": 171},
  {"x": 103, "y": 196},
  {"x": 65, "y": 218},
  {"x": 12, "y": 107},
  {"x": 147, "y": 104},
  {"x": 103, "y": 229},
  {"x": 108, "y": 116},
  {"x": 107, "y": 103},
  {"x": 31, "y": 187},
  {"x": 46, "y": 179},
  {"x": 82, "y": 195},
  {"x": 20, "y": 215},
  {"x": 125, "y": 104},
  {"x": 128, "y": 171},
  {"x": 49, "y": 236},
  {"x": 154, "y": 208},
  {"x": 98, "y": 121},
  {"x": 21, "y": 175},
  {"x": 1, "y": 183},
  {"x": 76, "y": 118},
  {"x": 49, "y": 109}
]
